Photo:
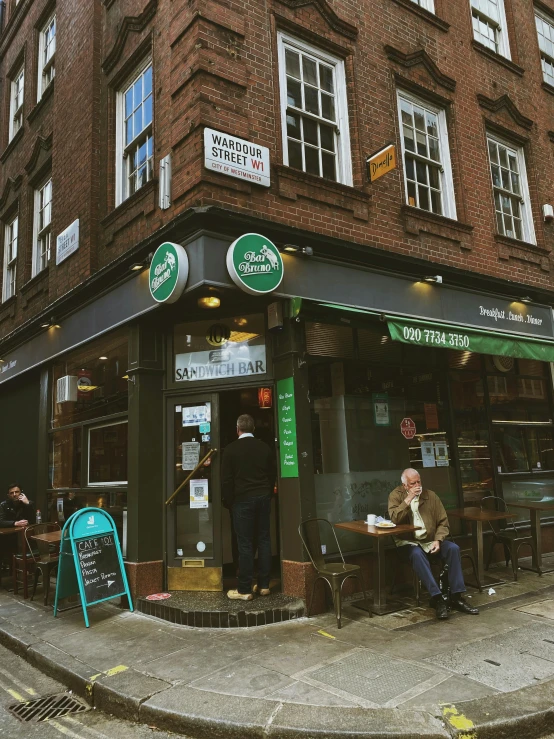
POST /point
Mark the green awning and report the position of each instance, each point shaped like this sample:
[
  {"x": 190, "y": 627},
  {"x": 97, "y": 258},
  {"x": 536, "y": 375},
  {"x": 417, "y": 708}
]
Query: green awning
[{"x": 450, "y": 336}]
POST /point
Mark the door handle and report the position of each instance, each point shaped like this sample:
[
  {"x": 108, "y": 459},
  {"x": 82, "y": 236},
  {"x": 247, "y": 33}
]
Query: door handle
[{"x": 189, "y": 477}]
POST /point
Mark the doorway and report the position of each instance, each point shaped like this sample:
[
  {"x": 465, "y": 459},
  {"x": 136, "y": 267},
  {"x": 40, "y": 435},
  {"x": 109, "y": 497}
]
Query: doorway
[{"x": 201, "y": 554}]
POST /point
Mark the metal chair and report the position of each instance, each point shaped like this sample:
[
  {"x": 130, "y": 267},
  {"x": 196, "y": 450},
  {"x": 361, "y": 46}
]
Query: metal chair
[
  {"x": 44, "y": 555},
  {"x": 510, "y": 538},
  {"x": 334, "y": 574}
]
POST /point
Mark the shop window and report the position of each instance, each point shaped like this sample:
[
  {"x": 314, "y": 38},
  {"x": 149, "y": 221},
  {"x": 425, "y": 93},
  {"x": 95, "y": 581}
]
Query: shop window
[
  {"x": 42, "y": 226},
  {"x": 91, "y": 382},
  {"x": 10, "y": 258},
  {"x": 46, "y": 56},
  {"x": 545, "y": 33},
  {"x": 135, "y": 142},
  {"x": 511, "y": 192},
  {"x": 65, "y": 459},
  {"x": 16, "y": 102},
  {"x": 490, "y": 26},
  {"x": 107, "y": 454},
  {"x": 217, "y": 349},
  {"x": 314, "y": 111},
  {"x": 425, "y": 150},
  {"x": 329, "y": 340}
]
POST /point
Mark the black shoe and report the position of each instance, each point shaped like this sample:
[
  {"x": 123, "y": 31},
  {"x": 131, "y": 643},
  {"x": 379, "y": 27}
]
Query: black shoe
[
  {"x": 458, "y": 602},
  {"x": 439, "y": 604}
]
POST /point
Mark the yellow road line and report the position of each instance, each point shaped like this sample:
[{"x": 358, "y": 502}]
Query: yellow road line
[
  {"x": 458, "y": 721},
  {"x": 324, "y": 633}
]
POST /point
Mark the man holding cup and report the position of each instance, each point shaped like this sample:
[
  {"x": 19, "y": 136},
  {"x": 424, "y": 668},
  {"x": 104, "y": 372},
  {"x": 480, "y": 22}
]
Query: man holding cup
[{"x": 410, "y": 503}]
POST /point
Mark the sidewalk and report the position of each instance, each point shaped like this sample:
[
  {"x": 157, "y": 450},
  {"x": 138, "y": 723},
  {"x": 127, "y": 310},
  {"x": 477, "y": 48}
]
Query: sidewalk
[{"x": 401, "y": 675}]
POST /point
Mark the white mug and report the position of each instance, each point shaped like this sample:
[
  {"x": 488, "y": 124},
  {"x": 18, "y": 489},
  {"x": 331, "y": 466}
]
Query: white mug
[{"x": 371, "y": 519}]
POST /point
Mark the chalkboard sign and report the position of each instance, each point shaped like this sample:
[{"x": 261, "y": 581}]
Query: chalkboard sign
[{"x": 90, "y": 560}]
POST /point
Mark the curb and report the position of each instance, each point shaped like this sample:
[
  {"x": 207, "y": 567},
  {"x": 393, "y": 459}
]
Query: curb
[{"x": 128, "y": 694}]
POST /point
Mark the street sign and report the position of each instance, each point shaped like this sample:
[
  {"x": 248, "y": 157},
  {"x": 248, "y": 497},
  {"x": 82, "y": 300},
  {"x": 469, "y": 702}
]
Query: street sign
[
  {"x": 90, "y": 564},
  {"x": 381, "y": 162},
  {"x": 236, "y": 157},
  {"x": 407, "y": 428}
]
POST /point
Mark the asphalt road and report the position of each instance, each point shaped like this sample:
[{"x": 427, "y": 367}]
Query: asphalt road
[{"x": 18, "y": 680}]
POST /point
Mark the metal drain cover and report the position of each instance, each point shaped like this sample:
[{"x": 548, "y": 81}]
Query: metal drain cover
[{"x": 52, "y": 706}]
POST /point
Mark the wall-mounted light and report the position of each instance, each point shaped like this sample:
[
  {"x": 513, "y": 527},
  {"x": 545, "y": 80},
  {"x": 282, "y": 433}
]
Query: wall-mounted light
[
  {"x": 525, "y": 299},
  {"x": 50, "y": 323},
  {"x": 306, "y": 251},
  {"x": 548, "y": 213},
  {"x": 209, "y": 302},
  {"x": 102, "y": 358},
  {"x": 436, "y": 279},
  {"x": 136, "y": 267}
]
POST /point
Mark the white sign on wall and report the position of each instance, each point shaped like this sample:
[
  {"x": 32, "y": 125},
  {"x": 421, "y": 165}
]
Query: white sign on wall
[
  {"x": 236, "y": 157},
  {"x": 234, "y": 360},
  {"x": 67, "y": 242}
]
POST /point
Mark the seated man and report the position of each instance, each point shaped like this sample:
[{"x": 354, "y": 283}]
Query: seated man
[{"x": 410, "y": 504}]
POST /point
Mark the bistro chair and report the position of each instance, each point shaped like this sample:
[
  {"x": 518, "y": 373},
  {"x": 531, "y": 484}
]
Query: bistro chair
[
  {"x": 333, "y": 573},
  {"x": 510, "y": 537},
  {"x": 43, "y": 555}
]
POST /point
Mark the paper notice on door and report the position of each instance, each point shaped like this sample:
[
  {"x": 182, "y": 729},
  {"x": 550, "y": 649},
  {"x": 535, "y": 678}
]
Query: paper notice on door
[
  {"x": 198, "y": 493},
  {"x": 191, "y": 455},
  {"x": 441, "y": 454},
  {"x": 195, "y": 415},
  {"x": 428, "y": 453}
]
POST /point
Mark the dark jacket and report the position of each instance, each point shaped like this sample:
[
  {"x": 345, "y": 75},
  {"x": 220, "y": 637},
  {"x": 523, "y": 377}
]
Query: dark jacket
[
  {"x": 14, "y": 510},
  {"x": 247, "y": 470},
  {"x": 431, "y": 511}
]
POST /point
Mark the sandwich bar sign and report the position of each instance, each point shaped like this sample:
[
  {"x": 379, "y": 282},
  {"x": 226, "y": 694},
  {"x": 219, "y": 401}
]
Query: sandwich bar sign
[
  {"x": 255, "y": 264},
  {"x": 236, "y": 157}
]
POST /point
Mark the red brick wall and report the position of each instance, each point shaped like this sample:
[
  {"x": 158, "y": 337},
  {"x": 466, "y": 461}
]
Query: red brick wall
[{"x": 215, "y": 65}]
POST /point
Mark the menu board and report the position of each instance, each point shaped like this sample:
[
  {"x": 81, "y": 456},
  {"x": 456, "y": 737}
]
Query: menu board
[
  {"x": 99, "y": 567},
  {"x": 288, "y": 444}
]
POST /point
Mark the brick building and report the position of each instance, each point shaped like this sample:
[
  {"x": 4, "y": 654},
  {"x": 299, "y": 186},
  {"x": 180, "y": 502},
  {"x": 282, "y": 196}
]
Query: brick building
[{"x": 119, "y": 132}]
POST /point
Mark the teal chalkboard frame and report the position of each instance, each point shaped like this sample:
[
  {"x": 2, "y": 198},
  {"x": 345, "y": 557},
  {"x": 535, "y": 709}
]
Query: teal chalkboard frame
[{"x": 85, "y": 524}]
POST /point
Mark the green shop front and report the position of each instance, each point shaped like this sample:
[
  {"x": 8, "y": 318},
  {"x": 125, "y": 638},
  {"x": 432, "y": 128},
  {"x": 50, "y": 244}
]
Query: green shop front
[{"x": 351, "y": 373}]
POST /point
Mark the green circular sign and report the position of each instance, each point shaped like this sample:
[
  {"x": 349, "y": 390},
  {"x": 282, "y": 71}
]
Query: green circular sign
[
  {"x": 255, "y": 264},
  {"x": 169, "y": 271}
]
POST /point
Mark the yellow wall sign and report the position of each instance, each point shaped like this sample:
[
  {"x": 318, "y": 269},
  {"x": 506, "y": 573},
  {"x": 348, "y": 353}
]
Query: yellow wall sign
[{"x": 382, "y": 162}]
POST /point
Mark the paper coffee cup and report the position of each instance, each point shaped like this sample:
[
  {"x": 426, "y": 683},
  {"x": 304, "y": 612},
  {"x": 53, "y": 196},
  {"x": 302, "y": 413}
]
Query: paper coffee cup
[{"x": 371, "y": 519}]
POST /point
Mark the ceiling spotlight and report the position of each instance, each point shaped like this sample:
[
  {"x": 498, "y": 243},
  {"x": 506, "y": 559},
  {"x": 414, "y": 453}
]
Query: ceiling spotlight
[
  {"x": 102, "y": 358},
  {"x": 50, "y": 323},
  {"x": 209, "y": 301},
  {"x": 136, "y": 267},
  {"x": 437, "y": 279},
  {"x": 525, "y": 299},
  {"x": 307, "y": 251}
]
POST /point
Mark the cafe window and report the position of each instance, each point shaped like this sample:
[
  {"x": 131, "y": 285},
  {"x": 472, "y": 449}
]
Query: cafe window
[
  {"x": 107, "y": 454},
  {"x": 219, "y": 349}
]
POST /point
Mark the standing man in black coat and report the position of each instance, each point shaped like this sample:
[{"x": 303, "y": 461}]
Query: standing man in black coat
[
  {"x": 17, "y": 509},
  {"x": 248, "y": 477}
]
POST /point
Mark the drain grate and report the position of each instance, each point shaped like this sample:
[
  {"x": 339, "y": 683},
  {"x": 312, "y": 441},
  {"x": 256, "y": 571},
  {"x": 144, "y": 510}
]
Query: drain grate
[{"x": 52, "y": 706}]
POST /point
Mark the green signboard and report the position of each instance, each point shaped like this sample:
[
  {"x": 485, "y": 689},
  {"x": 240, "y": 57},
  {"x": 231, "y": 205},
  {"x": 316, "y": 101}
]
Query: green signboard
[
  {"x": 90, "y": 563},
  {"x": 255, "y": 264},
  {"x": 169, "y": 271},
  {"x": 288, "y": 445},
  {"x": 443, "y": 336}
]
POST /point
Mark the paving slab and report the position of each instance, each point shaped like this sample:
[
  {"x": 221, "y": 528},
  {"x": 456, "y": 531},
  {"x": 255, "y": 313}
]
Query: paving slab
[
  {"x": 301, "y": 692},
  {"x": 244, "y": 678},
  {"x": 544, "y": 608},
  {"x": 122, "y": 694},
  {"x": 454, "y": 689}
]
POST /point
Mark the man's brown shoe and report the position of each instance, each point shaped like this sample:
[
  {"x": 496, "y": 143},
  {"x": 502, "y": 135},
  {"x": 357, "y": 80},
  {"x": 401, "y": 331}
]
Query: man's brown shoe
[
  {"x": 235, "y": 595},
  {"x": 261, "y": 591}
]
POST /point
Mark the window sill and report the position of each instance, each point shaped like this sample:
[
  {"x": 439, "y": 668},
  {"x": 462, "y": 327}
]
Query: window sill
[
  {"x": 38, "y": 279},
  {"x": 548, "y": 88},
  {"x": 133, "y": 199},
  {"x": 424, "y": 13},
  {"x": 501, "y": 239},
  {"x": 293, "y": 184},
  {"x": 416, "y": 220},
  {"x": 11, "y": 146},
  {"x": 42, "y": 102},
  {"x": 7, "y": 309},
  {"x": 498, "y": 58}
]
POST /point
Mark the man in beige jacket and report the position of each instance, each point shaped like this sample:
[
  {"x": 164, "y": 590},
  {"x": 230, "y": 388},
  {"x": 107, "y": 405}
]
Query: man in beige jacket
[{"x": 410, "y": 503}]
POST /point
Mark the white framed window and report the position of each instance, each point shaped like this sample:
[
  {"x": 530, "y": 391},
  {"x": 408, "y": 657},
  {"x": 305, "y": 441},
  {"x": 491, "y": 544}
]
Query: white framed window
[
  {"x": 314, "y": 111},
  {"x": 512, "y": 203},
  {"x": 135, "y": 143},
  {"x": 46, "y": 56},
  {"x": 42, "y": 227},
  {"x": 427, "y": 4},
  {"x": 426, "y": 156},
  {"x": 545, "y": 33},
  {"x": 10, "y": 258},
  {"x": 16, "y": 102},
  {"x": 490, "y": 27}
]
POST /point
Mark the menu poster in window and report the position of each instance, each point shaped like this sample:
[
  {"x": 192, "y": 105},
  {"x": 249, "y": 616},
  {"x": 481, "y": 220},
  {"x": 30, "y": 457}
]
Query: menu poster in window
[
  {"x": 441, "y": 454},
  {"x": 431, "y": 416},
  {"x": 197, "y": 414},
  {"x": 191, "y": 455},
  {"x": 381, "y": 409},
  {"x": 198, "y": 493},
  {"x": 428, "y": 453}
]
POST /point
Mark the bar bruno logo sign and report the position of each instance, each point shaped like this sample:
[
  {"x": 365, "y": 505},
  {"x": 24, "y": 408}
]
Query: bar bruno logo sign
[
  {"x": 169, "y": 271},
  {"x": 255, "y": 264}
]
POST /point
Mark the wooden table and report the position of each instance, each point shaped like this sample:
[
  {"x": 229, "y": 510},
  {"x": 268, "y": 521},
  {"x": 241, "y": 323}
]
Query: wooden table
[
  {"x": 380, "y": 537},
  {"x": 20, "y": 532},
  {"x": 535, "y": 509},
  {"x": 477, "y": 517},
  {"x": 51, "y": 537}
]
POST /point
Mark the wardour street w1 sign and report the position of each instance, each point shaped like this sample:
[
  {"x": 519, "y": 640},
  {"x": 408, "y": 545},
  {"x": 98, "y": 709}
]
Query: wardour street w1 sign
[
  {"x": 236, "y": 157},
  {"x": 255, "y": 264},
  {"x": 169, "y": 271}
]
